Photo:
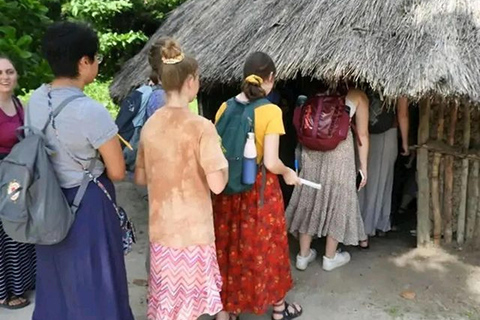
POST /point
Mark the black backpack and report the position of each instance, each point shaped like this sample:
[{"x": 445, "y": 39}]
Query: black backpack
[
  {"x": 380, "y": 117},
  {"x": 130, "y": 120}
]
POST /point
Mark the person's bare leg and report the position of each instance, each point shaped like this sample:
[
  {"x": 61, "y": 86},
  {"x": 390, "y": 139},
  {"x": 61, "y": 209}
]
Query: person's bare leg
[
  {"x": 305, "y": 242},
  {"x": 363, "y": 243},
  {"x": 223, "y": 315},
  {"x": 331, "y": 247}
]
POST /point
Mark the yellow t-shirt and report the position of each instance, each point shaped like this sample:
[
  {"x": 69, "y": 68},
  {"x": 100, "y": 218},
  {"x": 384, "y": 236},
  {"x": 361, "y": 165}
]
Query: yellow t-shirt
[{"x": 268, "y": 120}]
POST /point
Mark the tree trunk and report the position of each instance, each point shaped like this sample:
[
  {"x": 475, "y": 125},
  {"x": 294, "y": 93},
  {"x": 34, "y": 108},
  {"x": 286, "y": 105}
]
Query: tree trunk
[
  {"x": 464, "y": 177},
  {"x": 436, "y": 206},
  {"x": 423, "y": 216},
  {"x": 473, "y": 187},
  {"x": 449, "y": 161}
]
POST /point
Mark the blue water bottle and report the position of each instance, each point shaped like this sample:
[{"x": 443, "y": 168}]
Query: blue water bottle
[{"x": 249, "y": 165}]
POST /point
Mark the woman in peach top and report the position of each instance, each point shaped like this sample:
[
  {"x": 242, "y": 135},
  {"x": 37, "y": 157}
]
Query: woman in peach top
[{"x": 180, "y": 160}]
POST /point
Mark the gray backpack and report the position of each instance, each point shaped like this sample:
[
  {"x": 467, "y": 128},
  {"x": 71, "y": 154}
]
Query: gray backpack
[{"x": 33, "y": 208}]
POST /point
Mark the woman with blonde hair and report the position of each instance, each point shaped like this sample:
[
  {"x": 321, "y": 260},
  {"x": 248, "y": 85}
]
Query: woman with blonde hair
[{"x": 181, "y": 161}]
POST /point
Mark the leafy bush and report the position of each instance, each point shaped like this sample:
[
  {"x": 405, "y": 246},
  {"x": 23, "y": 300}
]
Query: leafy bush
[
  {"x": 98, "y": 90},
  {"x": 124, "y": 26},
  {"x": 23, "y": 25}
]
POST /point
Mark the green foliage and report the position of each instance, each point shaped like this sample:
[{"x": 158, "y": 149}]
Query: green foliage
[
  {"x": 96, "y": 11},
  {"x": 124, "y": 26},
  {"x": 23, "y": 25},
  {"x": 98, "y": 90}
]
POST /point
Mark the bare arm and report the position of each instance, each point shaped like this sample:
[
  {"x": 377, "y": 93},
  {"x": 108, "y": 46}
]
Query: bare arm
[
  {"x": 112, "y": 156},
  {"x": 217, "y": 180},
  {"x": 361, "y": 119},
  {"x": 140, "y": 177},
  {"x": 403, "y": 123},
  {"x": 273, "y": 163},
  {"x": 213, "y": 160}
]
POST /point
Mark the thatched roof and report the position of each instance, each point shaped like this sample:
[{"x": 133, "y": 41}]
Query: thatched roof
[{"x": 403, "y": 47}]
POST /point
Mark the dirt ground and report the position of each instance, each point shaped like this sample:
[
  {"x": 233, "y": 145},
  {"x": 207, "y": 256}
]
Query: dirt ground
[{"x": 437, "y": 283}]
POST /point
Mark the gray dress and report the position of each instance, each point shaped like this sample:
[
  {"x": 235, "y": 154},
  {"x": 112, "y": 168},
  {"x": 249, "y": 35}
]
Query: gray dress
[
  {"x": 334, "y": 210},
  {"x": 376, "y": 197}
]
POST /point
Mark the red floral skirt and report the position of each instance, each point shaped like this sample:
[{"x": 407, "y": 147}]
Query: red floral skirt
[{"x": 252, "y": 248}]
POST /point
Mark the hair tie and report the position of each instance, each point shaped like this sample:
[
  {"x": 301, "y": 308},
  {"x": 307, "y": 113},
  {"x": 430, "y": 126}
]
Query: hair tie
[
  {"x": 254, "y": 79},
  {"x": 175, "y": 60}
]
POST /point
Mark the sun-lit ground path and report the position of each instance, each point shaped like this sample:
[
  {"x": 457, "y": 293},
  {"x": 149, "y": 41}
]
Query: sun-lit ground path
[{"x": 445, "y": 284}]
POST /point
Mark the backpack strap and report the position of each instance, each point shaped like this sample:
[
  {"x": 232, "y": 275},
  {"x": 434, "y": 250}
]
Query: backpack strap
[
  {"x": 83, "y": 187},
  {"x": 57, "y": 111},
  {"x": 264, "y": 184}
]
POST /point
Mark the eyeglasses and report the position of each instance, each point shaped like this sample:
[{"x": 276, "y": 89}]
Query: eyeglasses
[{"x": 99, "y": 58}]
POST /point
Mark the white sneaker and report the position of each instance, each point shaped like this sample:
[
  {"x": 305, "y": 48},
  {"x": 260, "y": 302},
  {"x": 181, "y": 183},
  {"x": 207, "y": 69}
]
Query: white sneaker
[
  {"x": 340, "y": 259},
  {"x": 303, "y": 262}
]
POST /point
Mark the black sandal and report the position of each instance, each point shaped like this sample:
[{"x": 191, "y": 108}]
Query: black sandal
[
  {"x": 286, "y": 314},
  {"x": 7, "y": 304}
]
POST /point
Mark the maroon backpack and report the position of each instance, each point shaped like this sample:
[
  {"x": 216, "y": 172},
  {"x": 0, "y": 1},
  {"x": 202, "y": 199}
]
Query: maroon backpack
[{"x": 322, "y": 122}]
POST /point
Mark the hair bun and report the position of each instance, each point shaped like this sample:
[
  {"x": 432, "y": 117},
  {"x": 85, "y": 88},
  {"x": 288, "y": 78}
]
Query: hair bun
[{"x": 171, "y": 50}]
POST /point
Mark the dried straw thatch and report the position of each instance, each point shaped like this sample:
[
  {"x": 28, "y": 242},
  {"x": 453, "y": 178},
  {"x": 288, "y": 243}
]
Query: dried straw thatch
[{"x": 403, "y": 47}]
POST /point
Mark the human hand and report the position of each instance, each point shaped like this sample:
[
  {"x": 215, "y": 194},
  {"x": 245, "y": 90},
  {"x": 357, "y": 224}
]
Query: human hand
[
  {"x": 291, "y": 177},
  {"x": 364, "y": 180},
  {"x": 406, "y": 150}
]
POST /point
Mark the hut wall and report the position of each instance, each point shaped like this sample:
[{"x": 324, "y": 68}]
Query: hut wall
[{"x": 461, "y": 223}]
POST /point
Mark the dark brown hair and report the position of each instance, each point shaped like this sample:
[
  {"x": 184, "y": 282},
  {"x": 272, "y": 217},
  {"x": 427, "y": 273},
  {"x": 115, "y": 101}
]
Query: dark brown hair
[
  {"x": 172, "y": 75},
  {"x": 155, "y": 54},
  {"x": 154, "y": 77},
  {"x": 259, "y": 64}
]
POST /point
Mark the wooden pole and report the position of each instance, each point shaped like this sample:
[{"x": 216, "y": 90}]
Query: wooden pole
[
  {"x": 436, "y": 206},
  {"x": 449, "y": 160},
  {"x": 464, "y": 177},
  {"x": 423, "y": 215},
  {"x": 476, "y": 233},
  {"x": 473, "y": 187}
]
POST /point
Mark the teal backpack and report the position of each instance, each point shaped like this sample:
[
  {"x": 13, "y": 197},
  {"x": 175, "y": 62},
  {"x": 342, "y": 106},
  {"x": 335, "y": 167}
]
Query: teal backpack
[{"x": 236, "y": 122}]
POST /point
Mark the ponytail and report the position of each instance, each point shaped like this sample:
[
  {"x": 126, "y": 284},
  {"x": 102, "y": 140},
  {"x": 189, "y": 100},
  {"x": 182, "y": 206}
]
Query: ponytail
[
  {"x": 258, "y": 67},
  {"x": 252, "y": 88}
]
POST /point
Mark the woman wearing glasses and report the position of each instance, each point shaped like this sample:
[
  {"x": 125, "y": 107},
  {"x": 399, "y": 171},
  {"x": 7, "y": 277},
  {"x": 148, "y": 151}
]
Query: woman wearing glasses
[{"x": 82, "y": 277}]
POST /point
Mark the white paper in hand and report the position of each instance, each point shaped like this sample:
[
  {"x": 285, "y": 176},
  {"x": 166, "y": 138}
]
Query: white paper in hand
[{"x": 311, "y": 184}]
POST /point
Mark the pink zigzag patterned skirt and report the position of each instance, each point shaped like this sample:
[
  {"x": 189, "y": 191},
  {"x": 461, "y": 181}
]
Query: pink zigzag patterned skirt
[{"x": 184, "y": 283}]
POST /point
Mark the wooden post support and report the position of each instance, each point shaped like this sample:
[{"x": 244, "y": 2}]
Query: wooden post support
[
  {"x": 423, "y": 215},
  {"x": 473, "y": 187},
  {"x": 464, "y": 177},
  {"x": 449, "y": 161},
  {"x": 436, "y": 205}
]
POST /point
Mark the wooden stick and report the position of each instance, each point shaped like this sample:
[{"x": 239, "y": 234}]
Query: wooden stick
[
  {"x": 423, "y": 215},
  {"x": 449, "y": 161},
  {"x": 445, "y": 149},
  {"x": 464, "y": 177},
  {"x": 437, "y": 213},
  {"x": 473, "y": 192}
]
